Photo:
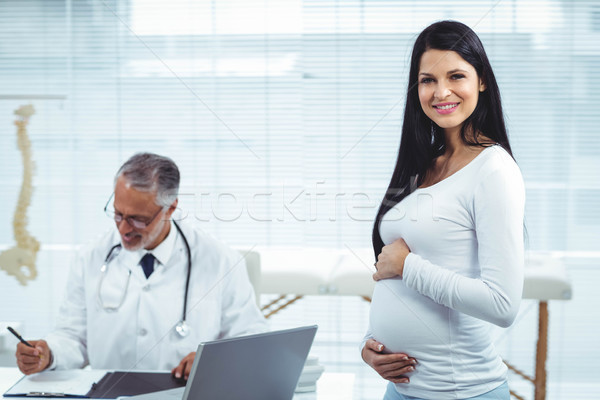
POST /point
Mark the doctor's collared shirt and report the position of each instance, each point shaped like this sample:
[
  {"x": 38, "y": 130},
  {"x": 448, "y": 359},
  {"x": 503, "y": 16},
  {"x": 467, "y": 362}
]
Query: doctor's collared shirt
[{"x": 140, "y": 334}]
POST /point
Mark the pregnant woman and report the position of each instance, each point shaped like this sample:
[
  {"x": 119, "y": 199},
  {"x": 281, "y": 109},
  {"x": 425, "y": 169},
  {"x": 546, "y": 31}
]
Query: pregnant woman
[{"x": 449, "y": 233}]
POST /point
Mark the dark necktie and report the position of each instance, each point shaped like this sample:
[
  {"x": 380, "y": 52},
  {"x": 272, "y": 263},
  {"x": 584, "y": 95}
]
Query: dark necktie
[{"x": 148, "y": 264}]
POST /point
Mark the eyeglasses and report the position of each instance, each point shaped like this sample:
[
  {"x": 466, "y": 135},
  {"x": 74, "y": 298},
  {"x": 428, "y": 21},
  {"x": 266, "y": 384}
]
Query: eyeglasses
[{"x": 136, "y": 222}]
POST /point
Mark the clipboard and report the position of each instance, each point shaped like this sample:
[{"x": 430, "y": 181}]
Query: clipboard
[
  {"x": 96, "y": 384},
  {"x": 122, "y": 383},
  {"x": 65, "y": 383}
]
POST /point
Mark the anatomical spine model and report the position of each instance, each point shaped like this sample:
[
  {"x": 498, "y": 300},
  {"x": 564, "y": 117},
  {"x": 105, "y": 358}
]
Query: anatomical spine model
[{"x": 22, "y": 256}]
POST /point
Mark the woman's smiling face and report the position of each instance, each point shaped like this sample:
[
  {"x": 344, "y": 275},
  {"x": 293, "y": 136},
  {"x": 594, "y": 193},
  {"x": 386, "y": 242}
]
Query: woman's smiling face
[{"x": 448, "y": 88}]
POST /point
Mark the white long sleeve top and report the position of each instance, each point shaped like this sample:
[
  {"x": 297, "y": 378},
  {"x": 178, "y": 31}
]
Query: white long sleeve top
[
  {"x": 465, "y": 270},
  {"x": 140, "y": 334}
]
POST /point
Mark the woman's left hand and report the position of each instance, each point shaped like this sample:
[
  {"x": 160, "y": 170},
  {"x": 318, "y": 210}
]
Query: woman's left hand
[{"x": 390, "y": 262}]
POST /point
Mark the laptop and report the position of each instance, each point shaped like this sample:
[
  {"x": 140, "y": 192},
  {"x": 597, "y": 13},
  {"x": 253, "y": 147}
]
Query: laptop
[{"x": 254, "y": 367}]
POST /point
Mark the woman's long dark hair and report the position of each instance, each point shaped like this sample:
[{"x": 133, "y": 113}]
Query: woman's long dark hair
[{"x": 422, "y": 140}]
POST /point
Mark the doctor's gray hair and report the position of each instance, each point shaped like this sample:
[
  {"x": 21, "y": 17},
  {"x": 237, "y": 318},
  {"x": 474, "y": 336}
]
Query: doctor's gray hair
[{"x": 148, "y": 172}]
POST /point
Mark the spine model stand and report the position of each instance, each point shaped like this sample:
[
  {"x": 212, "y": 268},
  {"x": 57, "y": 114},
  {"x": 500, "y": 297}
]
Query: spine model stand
[{"x": 21, "y": 258}]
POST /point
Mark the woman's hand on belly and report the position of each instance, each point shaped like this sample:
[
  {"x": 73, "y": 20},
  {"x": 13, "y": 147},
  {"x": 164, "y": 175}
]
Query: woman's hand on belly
[
  {"x": 392, "y": 367},
  {"x": 390, "y": 262}
]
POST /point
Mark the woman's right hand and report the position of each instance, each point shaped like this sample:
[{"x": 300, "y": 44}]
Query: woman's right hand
[{"x": 392, "y": 367}]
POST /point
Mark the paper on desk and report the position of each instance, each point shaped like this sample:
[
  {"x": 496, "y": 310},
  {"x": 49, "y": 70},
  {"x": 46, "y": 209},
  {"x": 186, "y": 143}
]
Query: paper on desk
[{"x": 75, "y": 382}]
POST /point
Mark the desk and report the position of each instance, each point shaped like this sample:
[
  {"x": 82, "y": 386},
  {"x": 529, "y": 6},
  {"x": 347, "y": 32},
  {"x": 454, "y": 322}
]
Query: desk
[{"x": 331, "y": 386}]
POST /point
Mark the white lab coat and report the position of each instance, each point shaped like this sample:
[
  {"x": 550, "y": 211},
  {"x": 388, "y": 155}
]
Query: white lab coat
[{"x": 140, "y": 334}]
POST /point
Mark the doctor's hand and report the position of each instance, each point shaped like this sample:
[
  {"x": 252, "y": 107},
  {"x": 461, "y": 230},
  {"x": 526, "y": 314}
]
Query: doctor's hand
[
  {"x": 185, "y": 367},
  {"x": 391, "y": 366},
  {"x": 33, "y": 359},
  {"x": 390, "y": 262}
]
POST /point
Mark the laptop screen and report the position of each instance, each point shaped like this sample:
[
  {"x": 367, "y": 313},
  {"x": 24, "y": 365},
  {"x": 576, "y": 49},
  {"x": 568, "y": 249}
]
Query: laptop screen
[{"x": 254, "y": 367}]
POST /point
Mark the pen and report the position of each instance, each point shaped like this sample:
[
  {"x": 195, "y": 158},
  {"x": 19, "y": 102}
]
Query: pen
[{"x": 25, "y": 342}]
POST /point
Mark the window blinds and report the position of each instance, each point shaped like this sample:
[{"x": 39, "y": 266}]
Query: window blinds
[{"x": 284, "y": 115}]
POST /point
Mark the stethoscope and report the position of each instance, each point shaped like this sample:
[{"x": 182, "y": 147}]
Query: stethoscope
[{"x": 182, "y": 328}]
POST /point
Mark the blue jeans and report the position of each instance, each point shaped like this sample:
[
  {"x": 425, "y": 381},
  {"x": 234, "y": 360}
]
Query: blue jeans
[{"x": 500, "y": 393}]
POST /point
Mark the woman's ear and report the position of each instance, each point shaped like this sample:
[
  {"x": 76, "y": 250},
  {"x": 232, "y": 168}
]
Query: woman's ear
[{"x": 481, "y": 85}]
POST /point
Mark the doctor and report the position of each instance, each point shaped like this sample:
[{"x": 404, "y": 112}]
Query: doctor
[{"x": 143, "y": 296}]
